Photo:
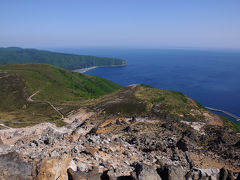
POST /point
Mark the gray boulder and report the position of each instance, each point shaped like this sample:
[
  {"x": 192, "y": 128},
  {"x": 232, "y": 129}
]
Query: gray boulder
[
  {"x": 171, "y": 173},
  {"x": 12, "y": 166},
  {"x": 203, "y": 174},
  {"x": 93, "y": 175},
  {"x": 145, "y": 172}
]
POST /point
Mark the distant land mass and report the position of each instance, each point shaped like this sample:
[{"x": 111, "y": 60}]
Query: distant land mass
[{"x": 16, "y": 55}]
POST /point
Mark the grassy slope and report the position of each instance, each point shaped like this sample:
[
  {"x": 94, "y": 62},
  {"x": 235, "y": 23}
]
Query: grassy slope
[
  {"x": 69, "y": 90},
  {"x": 145, "y": 101},
  {"x": 164, "y": 104},
  {"x": 228, "y": 122},
  {"x": 173, "y": 103},
  {"x": 68, "y": 61},
  {"x": 56, "y": 85}
]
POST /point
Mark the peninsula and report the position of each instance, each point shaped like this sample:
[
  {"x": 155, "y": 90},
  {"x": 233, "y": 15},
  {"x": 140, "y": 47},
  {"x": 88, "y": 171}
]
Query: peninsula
[{"x": 16, "y": 55}]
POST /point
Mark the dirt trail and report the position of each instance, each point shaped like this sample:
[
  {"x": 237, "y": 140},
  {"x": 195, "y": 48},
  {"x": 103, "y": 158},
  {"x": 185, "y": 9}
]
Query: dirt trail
[
  {"x": 5, "y": 126},
  {"x": 29, "y": 99},
  {"x": 55, "y": 109},
  {"x": 4, "y": 76}
]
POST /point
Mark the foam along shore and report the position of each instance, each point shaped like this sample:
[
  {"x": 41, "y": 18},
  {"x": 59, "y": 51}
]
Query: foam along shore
[{"x": 83, "y": 70}]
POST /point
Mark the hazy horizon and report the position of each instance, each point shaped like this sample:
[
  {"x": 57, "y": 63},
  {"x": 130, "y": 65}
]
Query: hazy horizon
[{"x": 121, "y": 24}]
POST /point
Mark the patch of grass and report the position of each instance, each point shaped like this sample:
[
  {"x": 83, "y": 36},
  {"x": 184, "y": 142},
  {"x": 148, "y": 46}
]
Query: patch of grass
[
  {"x": 158, "y": 100},
  {"x": 168, "y": 104},
  {"x": 147, "y": 101},
  {"x": 147, "y": 86},
  {"x": 181, "y": 96},
  {"x": 159, "y": 95},
  {"x": 33, "y": 114},
  {"x": 228, "y": 122},
  {"x": 199, "y": 104}
]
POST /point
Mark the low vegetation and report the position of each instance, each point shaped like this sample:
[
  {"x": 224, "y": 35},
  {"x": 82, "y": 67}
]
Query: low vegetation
[
  {"x": 228, "y": 122},
  {"x": 62, "y": 88},
  {"x": 67, "y": 91},
  {"x": 142, "y": 100}
]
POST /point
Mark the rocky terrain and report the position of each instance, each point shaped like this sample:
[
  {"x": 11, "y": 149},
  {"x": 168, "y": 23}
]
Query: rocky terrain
[
  {"x": 91, "y": 147},
  {"x": 124, "y": 136}
]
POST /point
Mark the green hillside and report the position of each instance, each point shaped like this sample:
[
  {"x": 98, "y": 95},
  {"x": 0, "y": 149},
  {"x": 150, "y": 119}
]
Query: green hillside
[
  {"x": 14, "y": 55},
  {"x": 62, "y": 88},
  {"x": 152, "y": 103},
  {"x": 145, "y": 101},
  {"x": 34, "y": 93},
  {"x": 142, "y": 100}
]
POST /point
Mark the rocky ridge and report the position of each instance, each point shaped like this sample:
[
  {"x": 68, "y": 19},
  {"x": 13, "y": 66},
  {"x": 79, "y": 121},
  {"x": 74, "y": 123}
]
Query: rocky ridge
[
  {"x": 91, "y": 147},
  {"x": 137, "y": 133}
]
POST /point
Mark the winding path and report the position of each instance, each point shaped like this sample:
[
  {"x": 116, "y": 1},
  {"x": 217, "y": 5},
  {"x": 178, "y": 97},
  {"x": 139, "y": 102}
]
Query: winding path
[
  {"x": 29, "y": 99},
  {"x": 3, "y": 76},
  {"x": 5, "y": 126}
]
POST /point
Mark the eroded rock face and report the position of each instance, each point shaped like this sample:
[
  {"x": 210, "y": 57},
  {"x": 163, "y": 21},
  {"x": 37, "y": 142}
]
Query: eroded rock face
[{"x": 138, "y": 148}]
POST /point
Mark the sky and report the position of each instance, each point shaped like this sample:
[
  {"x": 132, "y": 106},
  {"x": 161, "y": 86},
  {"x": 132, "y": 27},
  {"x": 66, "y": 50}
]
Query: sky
[{"x": 120, "y": 23}]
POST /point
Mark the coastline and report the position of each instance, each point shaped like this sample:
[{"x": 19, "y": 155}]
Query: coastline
[
  {"x": 237, "y": 118},
  {"x": 83, "y": 70}
]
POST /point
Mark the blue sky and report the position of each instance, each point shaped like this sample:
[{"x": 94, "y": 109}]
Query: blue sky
[{"x": 120, "y": 23}]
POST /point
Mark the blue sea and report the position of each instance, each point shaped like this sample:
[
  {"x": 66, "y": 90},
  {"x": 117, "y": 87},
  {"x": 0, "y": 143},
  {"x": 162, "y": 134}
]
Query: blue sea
[{"x": 211, "y": 77}]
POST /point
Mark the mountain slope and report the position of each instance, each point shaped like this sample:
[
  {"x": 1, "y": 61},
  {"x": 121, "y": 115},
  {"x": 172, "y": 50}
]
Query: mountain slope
[
  {"x": 142, "y": 100},
  {"x": 16, "y": 55},
  {"x": 49, "y": 85},
  {"x": 111, "y": 144},
  {"x": 111, "y": 131},
  {"x": 151, "y": 103},
  {"x": 33, "y": 93}
]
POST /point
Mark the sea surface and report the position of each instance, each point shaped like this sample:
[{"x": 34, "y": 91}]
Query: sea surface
[{"x": 211, "y": 77}]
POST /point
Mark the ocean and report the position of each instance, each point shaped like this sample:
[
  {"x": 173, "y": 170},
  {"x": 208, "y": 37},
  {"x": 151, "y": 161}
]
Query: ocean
[{"x": 211, "y": 77}]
